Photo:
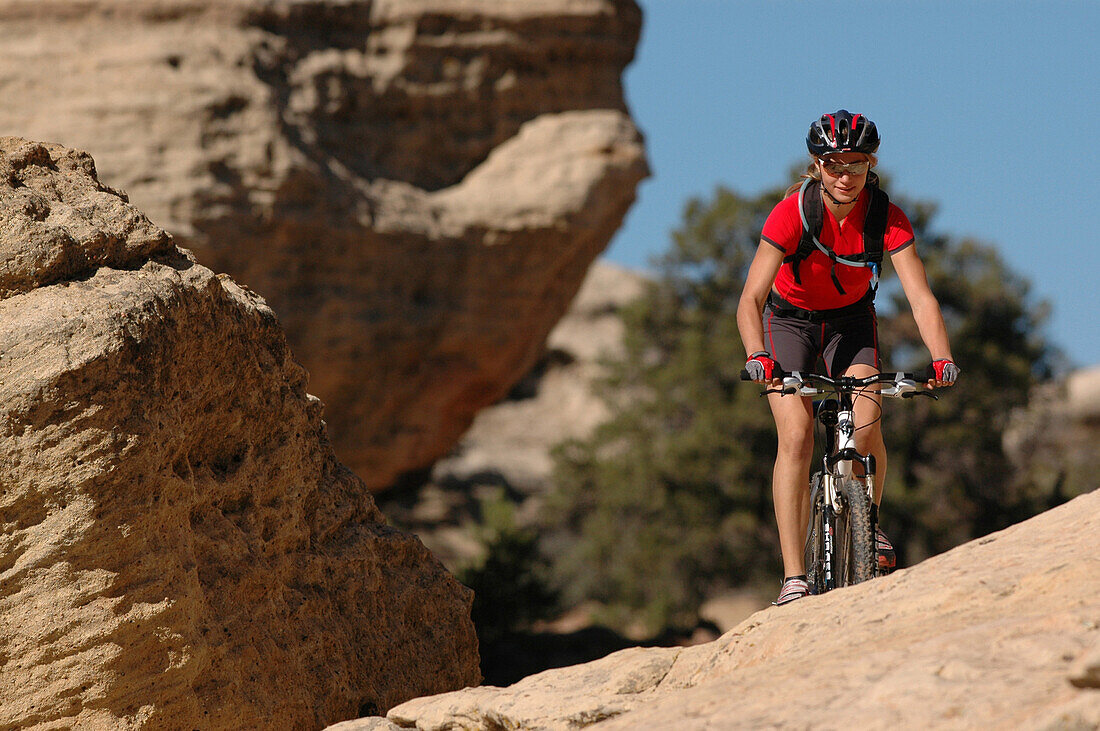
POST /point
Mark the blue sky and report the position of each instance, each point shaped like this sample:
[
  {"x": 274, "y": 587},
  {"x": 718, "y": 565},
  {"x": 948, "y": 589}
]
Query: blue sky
[{"x": 991, "y": 110}]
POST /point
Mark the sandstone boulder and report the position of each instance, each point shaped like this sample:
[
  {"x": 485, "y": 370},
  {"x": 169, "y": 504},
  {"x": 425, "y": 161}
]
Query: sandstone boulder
[
  {"x": 1002, "y": 632},
  {"x": 179, "y": 547},
  {"x": 416, "y": 186}
]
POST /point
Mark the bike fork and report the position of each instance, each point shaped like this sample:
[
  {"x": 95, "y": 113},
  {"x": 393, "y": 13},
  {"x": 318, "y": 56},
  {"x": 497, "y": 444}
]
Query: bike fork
[{"x": 874, "y": 524}]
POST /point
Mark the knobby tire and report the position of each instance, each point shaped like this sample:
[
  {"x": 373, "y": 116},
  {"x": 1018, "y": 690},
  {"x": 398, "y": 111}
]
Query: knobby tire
[
  {"x": 814, "y": 554},
  {"x": 854, "y": 558}
]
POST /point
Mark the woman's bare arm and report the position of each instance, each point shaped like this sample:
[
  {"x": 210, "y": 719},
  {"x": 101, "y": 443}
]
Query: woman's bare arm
[
  {"x": 926, "y": 309},
  {"x": 758, "y": 283}
]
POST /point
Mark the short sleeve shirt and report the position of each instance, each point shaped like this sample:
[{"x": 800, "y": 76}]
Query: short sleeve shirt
[{"x": 783, "y": 230}]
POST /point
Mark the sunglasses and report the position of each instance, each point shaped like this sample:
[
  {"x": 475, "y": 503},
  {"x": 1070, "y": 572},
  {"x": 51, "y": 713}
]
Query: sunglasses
[{"x": 836, "y": 169}]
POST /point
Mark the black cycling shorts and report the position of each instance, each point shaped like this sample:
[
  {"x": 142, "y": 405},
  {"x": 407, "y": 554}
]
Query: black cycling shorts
[{"x": 797, "y": 344}]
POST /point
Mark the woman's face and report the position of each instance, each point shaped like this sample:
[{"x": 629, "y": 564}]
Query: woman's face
[{"x": 843, "y": 180}]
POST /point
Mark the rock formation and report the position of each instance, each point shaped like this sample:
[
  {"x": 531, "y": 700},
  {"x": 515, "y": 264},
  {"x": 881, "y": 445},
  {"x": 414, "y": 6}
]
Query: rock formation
[
  {"x": 416, "y": 186},
  {"x": 557, "y": 399},
  {"x": 1002, "y": 632},
  {"x": 1083, "y": 394},
  {"x": 508, "y": 445},
  {"x": 1053, "y": 441},
  {"x": 179, "y": 547}
]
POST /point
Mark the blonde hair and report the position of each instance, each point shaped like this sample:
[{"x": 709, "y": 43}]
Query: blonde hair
[{"x": 813, "y": 172}]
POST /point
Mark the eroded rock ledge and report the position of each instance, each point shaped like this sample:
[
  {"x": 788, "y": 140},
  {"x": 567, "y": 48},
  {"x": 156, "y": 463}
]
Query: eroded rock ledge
[{"x": 179, "y": 547}]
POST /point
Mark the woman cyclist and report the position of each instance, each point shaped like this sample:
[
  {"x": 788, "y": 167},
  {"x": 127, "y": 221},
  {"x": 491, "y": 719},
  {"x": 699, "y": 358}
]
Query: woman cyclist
[{"x": 797, "y": 308}]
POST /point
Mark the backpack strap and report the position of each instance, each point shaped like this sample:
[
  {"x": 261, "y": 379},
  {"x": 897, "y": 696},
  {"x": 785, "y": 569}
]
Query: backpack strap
[
  {"x": 811, "y": 210},
  {"x": 874, "y": 228}
]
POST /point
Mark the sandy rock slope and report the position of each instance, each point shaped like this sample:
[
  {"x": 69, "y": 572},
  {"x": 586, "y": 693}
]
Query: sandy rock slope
[{"x": 1002, "y": 632}]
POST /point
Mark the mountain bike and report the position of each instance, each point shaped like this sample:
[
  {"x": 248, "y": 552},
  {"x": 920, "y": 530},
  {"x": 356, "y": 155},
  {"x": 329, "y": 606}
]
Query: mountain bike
[{"x": 840, "y": 538}]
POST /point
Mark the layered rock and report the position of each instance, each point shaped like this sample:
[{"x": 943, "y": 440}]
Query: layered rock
[
  {"x": 508, "y": 447},
  {"x": 416, "y": 186},
  {"x": 558, "y": 399},
  {"x": 1002, "y": 632},
  {"x": 179, "y": 547}
]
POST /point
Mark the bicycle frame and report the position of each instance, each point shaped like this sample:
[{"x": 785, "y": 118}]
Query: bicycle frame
[
  {"x": 839, "y": 412},
  {"x": 838, "y": 464},
  {"x": 838, "y": 418}
]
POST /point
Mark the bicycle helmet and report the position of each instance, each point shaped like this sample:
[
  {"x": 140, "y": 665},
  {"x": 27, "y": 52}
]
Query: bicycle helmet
[{"x": 842, "y": 132}]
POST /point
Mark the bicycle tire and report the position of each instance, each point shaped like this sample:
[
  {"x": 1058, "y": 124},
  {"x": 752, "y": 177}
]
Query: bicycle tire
[
  {"x": 814, "y": 554},
  {"x": 854, "y": 559}
]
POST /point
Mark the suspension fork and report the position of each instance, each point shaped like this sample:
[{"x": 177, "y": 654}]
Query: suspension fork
[
  {"x": 841, "y": 454},
  {"x": 840, "y": 457},
  {"x": 830, "y": 520},
  {"x": 839, "y": 465}
]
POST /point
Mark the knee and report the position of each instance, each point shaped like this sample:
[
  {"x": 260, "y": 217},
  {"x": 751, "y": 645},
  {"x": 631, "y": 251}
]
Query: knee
[
  {"x": 870, "y": 439},
  {"x": 797, "y": 443}
]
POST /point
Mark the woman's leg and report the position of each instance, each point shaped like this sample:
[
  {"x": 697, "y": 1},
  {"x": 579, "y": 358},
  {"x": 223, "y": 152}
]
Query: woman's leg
[
  {"x": 795, "y": 345},
  {"x": 790, "y": 478}
]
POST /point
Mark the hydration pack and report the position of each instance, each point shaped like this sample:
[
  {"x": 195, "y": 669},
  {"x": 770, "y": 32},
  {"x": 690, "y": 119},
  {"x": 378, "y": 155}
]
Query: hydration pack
[{"x": 812, "y": 211}]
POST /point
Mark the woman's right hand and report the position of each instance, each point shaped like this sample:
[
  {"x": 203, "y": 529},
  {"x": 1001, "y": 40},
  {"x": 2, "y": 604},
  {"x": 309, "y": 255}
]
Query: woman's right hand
[{"x": 761, "y": 367}]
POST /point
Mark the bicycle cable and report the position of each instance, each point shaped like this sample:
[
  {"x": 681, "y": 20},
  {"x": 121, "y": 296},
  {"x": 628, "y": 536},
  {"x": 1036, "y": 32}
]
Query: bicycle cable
[{"x": 860, "y": 394}]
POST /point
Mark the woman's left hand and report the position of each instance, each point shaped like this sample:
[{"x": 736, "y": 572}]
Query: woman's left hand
[{"x": 942, "y": 372}]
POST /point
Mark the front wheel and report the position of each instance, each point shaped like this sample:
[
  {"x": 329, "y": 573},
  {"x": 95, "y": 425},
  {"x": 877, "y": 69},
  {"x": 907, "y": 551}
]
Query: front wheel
[
  {"x": 854, "y": 558},
  {"x": 815, "y": 538}
]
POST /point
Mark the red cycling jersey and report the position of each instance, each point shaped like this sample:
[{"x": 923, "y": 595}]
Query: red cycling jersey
[{"x": 783, "y": 230}]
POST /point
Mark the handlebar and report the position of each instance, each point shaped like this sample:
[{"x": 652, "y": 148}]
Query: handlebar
[{"x": 900, "y": 384}]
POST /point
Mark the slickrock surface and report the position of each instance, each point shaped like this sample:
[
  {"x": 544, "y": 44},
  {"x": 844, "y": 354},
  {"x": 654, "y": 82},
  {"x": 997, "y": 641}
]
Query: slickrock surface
[
  {"x": 416, "y": 186},
  {"x": 1002, "y": 632},
  {"x": 179, "y": 547}
]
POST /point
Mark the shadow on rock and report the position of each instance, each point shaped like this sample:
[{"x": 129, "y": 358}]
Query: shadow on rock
[{"x": 516, "y": 655}]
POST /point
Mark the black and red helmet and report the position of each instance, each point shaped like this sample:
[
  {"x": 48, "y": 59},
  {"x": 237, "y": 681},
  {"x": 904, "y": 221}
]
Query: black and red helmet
[{"x": 842, "y": 132}]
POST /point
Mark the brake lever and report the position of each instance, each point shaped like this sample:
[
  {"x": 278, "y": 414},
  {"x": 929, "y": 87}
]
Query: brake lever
[{"x": 929, "y": 394}]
